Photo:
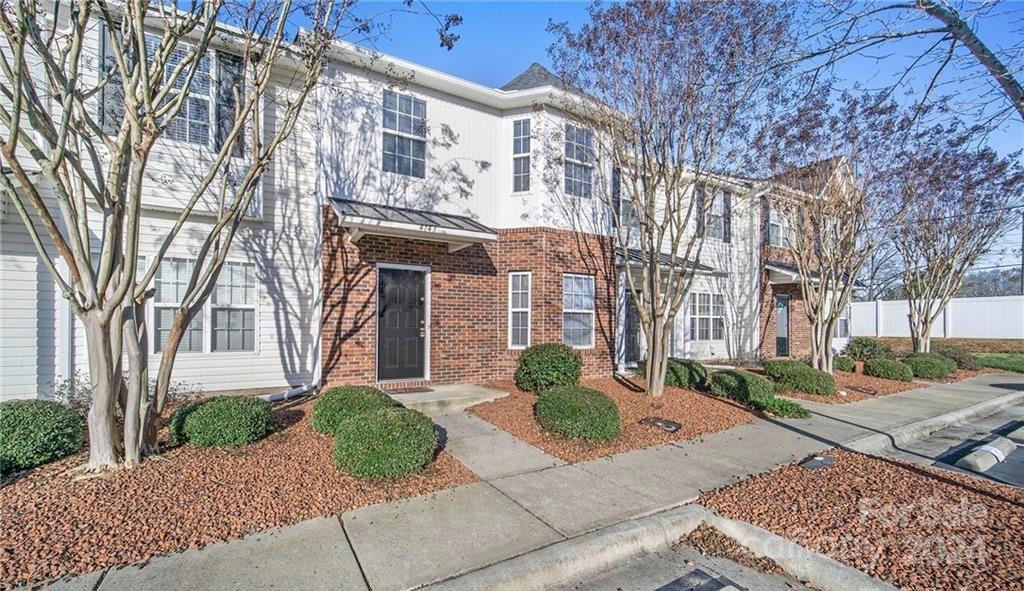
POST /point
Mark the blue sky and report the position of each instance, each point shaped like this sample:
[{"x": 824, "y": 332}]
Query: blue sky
[{"x": 498, "y": 40}]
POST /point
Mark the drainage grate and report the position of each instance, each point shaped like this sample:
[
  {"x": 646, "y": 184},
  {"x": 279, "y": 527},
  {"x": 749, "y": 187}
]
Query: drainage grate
[
  {"x": 818, "y": 462},
  {"x": 699, "y": 580},
  {"x": 663, "y": 424}
]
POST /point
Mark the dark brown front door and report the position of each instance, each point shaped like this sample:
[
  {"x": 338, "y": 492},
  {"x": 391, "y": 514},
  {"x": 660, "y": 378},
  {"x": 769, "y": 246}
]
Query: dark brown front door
[{"x": 401, "y": 324}]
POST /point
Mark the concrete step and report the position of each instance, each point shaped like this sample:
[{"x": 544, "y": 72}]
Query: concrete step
[{"x": 449, "y": 398}]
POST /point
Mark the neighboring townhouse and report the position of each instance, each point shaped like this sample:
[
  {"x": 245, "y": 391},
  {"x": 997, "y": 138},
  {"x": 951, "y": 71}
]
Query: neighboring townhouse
[{"x": 413, "y": 230}]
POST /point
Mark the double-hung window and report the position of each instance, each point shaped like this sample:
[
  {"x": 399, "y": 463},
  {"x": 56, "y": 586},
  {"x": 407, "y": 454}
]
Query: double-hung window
[
  {"x": 714, "y": 219},
  {"x": 519, "y": 309},
  {"x": 707, "y": 317},
  {"x": 233, "y": 309},
  {"x": 521, "y": 155},
  {"x": 405, "y": 135},
  {"x": 192, "y": 123},
  {"x": 171, "y": 281},
  {"x": 578, "y": 310},
  {"x": 579, "y": 161},
  {"x": 843, "y": 325},
  {"x": 778, "y": 228}
]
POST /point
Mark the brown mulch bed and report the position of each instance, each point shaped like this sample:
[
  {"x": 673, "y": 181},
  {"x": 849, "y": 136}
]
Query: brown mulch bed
[
  {"x": 699, "y": 414},
  {"x": 917, "y": 527},
  {"x": 847, "y": 381},
  {"x": 711, "y": 542},
  {"x": 55, "y": 526}
]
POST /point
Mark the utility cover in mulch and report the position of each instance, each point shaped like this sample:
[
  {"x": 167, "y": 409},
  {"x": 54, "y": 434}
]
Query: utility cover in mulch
[
  {"x": 699, "y": 414},
  {"x": 916, "y": 527},
  {"x": 54, "y": 526}
]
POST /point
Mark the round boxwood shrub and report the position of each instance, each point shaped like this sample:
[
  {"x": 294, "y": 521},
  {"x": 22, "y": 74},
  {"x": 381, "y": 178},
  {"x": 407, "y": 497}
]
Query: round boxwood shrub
[
  {"x": 888, "y": 369},
  {"x": 741, "y": 386},
  {"x": 962, "y": 358},
  {"x": 384, "y": 443},
  {"x": 864, "y": 348},
  {"x": 575, "y": 412},
  {"x": 844, "y": 363},
  {"x": 547, "y": 365},
  {"x": 797, "y": 376},
  {"x": 176, "y": 424},
  {"x": 337, "y": 404},
  {"x": 930, "y": 366},
  {"x": 34, "y": 432},
  {"x": 686, "y": 373},
  {"x": 226, "y": 421}
]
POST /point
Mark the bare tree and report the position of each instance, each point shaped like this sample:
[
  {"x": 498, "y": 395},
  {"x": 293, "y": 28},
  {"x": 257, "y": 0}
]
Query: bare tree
[
  {"x": 942, "y": 45},
  {"x": 831, "y": 159},
  {"x": 90, "y": 88},
  {"x": 960, "y": 200},
  {"x": 666, "y": 94}
]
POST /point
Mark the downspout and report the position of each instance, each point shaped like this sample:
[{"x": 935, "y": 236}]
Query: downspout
[{"x": 318, "y": 193}]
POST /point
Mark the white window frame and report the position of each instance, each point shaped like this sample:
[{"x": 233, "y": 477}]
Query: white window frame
[
  {"x": 411, "y": 136},
  {"x": 776, "y": 219},
  {"x": 212, "y": 304},
  {"x": 698, "y": 310},
  {"x": 521, "y": 154},
  {"x": 591, "y": 311},
  {"x": 528, "y": 309},
  {"x": 714, "y": 224},
  {"x": 155, "y": 306},
  {"x": 575, "y": 163},
  {"x": 205, "y": 315},
  {"x": 211, "y": 98},
  {"x": 843, "y": 325}
]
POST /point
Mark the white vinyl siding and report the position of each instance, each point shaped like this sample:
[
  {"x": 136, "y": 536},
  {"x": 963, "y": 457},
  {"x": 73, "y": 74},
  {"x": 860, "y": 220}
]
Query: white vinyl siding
[
  {"x": 521, "y": 155},
  {"x": 578, "y": 310},
  {"x": 707, "y": 317},
  {"x": 405, "y": 132},
  {"x": 519, "y": 309},
  {"x": 579, "y": 161}
]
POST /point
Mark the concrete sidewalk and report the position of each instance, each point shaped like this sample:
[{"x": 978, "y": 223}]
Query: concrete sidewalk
[{"x": 526, "y": 500}]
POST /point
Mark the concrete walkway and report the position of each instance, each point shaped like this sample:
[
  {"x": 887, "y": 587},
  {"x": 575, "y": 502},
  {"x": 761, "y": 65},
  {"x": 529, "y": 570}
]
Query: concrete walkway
[{"x": 525, "y": 500}]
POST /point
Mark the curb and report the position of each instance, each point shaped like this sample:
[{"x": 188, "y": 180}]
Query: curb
[
  {"x": 893, "y": 438},
  {"x": 566, "y": 562}
]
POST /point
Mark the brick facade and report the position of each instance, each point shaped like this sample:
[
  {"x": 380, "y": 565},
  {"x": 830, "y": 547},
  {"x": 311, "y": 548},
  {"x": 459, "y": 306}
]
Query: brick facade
[
  {"x": 468, "y": 300},
  {"x": 799, "y": 325}
]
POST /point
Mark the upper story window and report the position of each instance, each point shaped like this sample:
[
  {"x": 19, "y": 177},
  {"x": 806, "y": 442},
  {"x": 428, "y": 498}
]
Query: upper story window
[
  {"x": 579, "y": 161},
  {"x": 718, "y": 220},
  {"x": 779, "y": 231},
  {"x": 405, "y": 133},
  {"x": 208, "y": 113},
  {"x": 521, "y": 155}
]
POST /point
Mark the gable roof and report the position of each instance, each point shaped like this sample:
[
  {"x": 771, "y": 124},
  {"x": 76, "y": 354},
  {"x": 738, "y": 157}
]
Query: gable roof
[{"x": 535, "y": 76}]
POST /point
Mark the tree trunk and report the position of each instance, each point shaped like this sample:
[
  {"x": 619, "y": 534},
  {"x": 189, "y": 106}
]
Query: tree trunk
[
  {"x": 136, "y": 408},
  {"x": 657, "y": 358},
  {"x": 104, "y": 440}
]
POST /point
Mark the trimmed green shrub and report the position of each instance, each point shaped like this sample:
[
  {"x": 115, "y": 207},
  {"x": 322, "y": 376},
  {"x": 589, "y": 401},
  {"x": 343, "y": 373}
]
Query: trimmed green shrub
[
  {"x": 864, "y": 348},
  {"x": 741, "y": 386},
  {"x": 888, "y": 369},
  {"x": 844, "y": 363},
  {"x": 930, "y": 366},
  {"x": 786, "y": 409},
  {"x": 960, "y": 357},
  {"x": 686, "y": 373},
  {"x": 34, "y": 432},
  {"x": 176, "y": 424},
  {"x": 337, "y": 404},
  {"x": 575, "y": 412},
  {"x": 226, "y": 421},
  {"x": 797, "y": 376},
  {"x": 547, "y": 365},
  {"x": 384, "y": 443}
]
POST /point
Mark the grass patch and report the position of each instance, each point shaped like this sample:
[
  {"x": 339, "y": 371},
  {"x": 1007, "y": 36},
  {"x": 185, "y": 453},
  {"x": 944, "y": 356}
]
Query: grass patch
[{"x": 1004, "y": 361}]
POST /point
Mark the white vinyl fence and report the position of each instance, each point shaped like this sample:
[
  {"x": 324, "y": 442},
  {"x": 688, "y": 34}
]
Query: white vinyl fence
[{"x": 964, "y": 318}]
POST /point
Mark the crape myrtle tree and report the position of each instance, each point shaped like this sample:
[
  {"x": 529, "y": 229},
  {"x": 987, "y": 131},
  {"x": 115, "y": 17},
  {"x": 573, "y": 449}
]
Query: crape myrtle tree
[
  {"x": 828, "y": 162},
  {"x": 959, "y": 200},
  {"x": 89, "y": 89},
  {"x": 667, "y": 93}
]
